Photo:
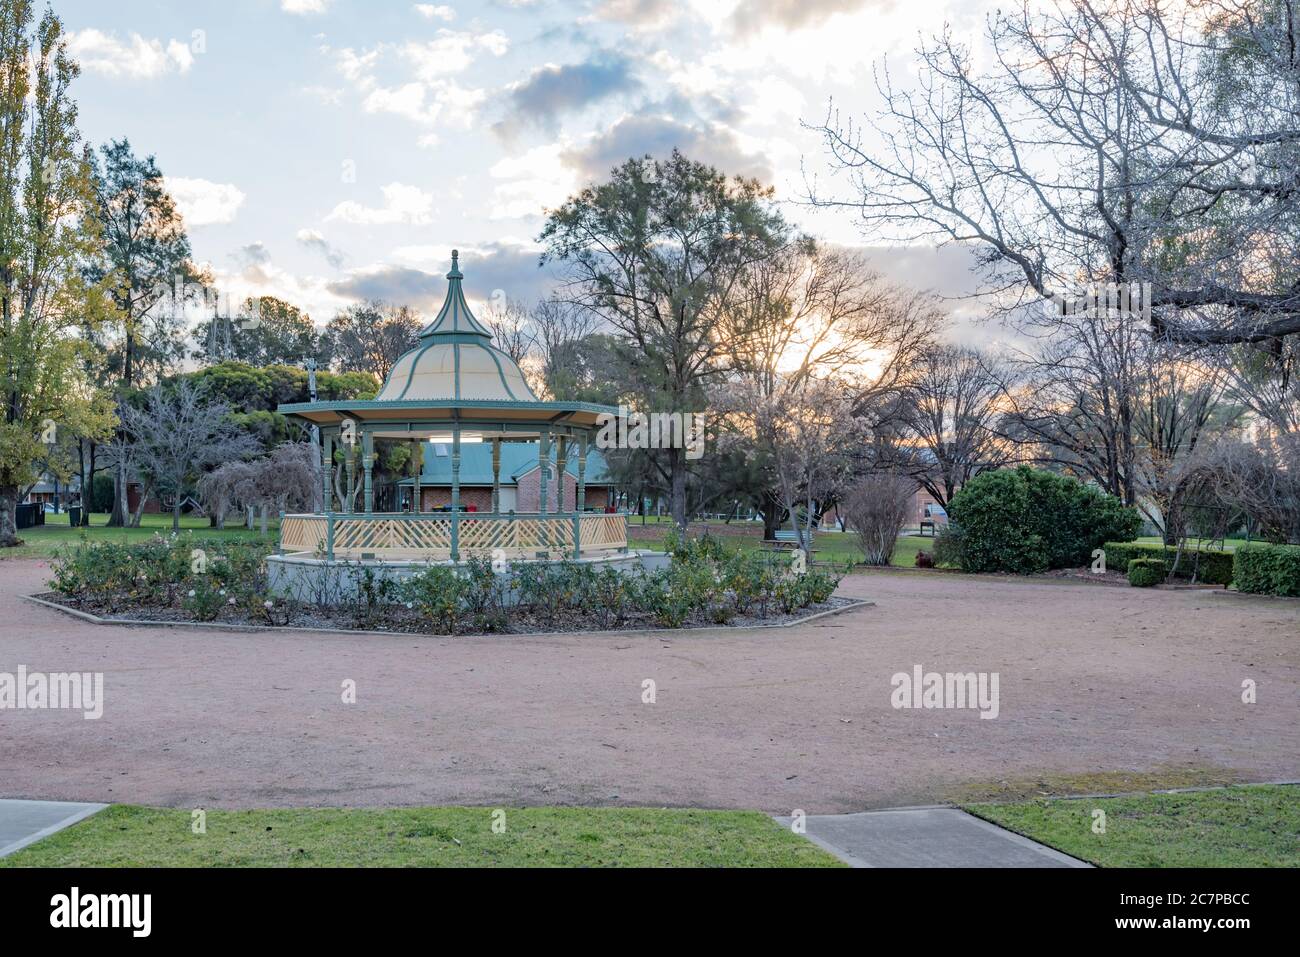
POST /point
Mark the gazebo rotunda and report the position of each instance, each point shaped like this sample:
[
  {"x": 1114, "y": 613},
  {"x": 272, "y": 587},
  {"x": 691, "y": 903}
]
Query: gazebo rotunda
[{"x": 454, "y": 388}]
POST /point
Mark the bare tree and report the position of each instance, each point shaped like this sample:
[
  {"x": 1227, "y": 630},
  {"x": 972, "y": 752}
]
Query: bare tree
[
  {"x": 1122, "y": 141},
  {"x": 950, "y": 412},
  {"x": 371, "y": 337},
  {"x": 1182, "y": 410},
  {"x": 813, "y": 435},
  {"x": 812, "y": 312},
  {"x": 219, "y": 489},
  {"x": 815, "y": 310},
  {"x": 560, "y": 329},
  {"x": 1260, "y": 482},
  {"x": 877, "y": 507},
  {"x": 512, "y": 329},
  {"x": 177, "y": 435},
  {"x": 285, "y": 479}
]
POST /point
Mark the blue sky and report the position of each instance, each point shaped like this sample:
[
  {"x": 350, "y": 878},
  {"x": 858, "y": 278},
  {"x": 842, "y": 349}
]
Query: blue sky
[{"x": 329, "y": 150}]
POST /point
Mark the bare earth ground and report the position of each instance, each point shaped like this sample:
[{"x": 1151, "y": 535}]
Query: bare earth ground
[{"x": 1100, "y": 688}]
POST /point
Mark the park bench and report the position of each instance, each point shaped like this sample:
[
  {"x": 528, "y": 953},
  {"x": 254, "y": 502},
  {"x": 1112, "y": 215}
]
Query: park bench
[
  {"x": 928, "y": 523},
  {"x": 785, "y": 539}
]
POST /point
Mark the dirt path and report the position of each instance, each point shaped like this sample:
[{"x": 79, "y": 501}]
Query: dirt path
[{"x": 1092, "y": 679}]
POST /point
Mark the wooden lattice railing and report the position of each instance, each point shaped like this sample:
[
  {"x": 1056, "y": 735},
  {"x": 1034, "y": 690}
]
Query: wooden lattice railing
[
  {"x": 303, "y": 533},
  {"x": 430, "y": 535}
]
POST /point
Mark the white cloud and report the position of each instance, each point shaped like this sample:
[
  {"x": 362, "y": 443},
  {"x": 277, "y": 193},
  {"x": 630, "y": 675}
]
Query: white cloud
[
  {"x": 246, "y": 280},
  {"x": 356, "y": 67},
  {"x": 406, "y": 101},
  {"x": 430, "y": 95},
  {"x": 312, "y": 239},
  {"x": 535, "y": 180},
  {"x": 428, "y": 103},
  {"x": 304, "y": 7},
  {"x": 329, "y": 96},
  {"x": 451, "y": 52},
  {"x": 203, "y": 202},
  {"x": 431, "y": 12},
  {"x": 402, "y": 204},
  {"x": 134, "y": 57}
]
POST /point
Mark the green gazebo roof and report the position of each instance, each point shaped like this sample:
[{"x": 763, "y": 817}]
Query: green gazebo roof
[
  {"x": 453, "y": 375},
  {"x": 455, "y": 358}
]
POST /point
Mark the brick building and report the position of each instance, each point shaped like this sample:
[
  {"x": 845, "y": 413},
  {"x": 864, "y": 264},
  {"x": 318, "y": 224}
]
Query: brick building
[{"x": 520, "y": 479}]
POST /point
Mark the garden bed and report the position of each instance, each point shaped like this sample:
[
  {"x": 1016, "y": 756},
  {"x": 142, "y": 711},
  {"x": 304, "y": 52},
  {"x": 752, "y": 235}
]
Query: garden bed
[
  {"x": 406, "y": 621},
  {"x": 184, "y": 581}
]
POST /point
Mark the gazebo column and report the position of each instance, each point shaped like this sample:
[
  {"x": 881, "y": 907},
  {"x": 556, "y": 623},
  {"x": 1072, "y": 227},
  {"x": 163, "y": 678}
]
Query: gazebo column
[
  {"x": 580, "y": 500},
  {"x": 455, "y": 491},
  {"x": 543, "y": 463},
  {"x": 496, "y": 476},
  {"x": 368, "y": 464},
  {"x": 327, "y": 471},
  {"x": 561, "y": 461},
  {"x": 543, "y": 460},
  {"x": 350, "y": 457},
  {"x": 327, "y": 487},
  {"x": 417, "y": 452}
]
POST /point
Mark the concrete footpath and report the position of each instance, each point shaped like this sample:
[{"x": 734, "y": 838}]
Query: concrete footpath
[
  {"x": 926, "y": 837},
  {"x": 25, "y": 822}
]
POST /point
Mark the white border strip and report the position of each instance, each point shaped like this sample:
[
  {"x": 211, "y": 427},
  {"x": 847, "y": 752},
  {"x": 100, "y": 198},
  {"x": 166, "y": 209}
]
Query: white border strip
[{"x": 54, "y": 828}]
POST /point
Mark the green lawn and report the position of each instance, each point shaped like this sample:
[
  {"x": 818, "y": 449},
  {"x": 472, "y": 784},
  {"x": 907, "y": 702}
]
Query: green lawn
[
  {"x": 42, "y": 540},
  {"x": 836, "y": 547},
  {"x": 1251, "y": 826},
  {"x": 126, "y": 835},
  {"x": 1229, "y": 544}
]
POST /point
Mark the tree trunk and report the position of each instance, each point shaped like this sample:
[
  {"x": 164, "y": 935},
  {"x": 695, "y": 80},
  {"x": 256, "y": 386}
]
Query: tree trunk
[
  {"x": 773, "y": 513},
  {"x": 81, "y": 473},
  {"x": 118, "y": 517},
  {"x": 88, "y": 489},
  {"x": 9, "y": 516},
  {"x": 145, "y": 491},
  {"x": 176, "y": 514},
  {"x": 678, "y": 501}
]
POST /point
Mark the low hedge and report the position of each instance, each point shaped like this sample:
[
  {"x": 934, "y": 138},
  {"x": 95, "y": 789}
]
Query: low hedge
[
  {"x": 1146, "y": 572},
  {"x": 1268, "y": 570},
  {"x": 1211, "y": 567}
]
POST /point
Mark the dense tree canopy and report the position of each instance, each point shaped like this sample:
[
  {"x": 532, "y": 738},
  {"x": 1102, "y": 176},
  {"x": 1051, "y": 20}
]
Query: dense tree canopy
[{"x": 45, "y": 236}]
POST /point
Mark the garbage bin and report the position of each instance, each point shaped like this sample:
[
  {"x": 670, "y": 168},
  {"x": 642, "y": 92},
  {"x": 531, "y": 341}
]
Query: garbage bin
[{"x": 74, "y": 515}]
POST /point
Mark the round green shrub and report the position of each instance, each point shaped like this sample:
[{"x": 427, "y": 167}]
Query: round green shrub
[
  {"x": 1026, "y": 520},
  {"x": 1146, "y": 572}
]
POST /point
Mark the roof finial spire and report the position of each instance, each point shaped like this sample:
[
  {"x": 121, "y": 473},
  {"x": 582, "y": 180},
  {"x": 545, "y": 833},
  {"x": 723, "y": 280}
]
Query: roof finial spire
[{"x": 455, "y": 265}]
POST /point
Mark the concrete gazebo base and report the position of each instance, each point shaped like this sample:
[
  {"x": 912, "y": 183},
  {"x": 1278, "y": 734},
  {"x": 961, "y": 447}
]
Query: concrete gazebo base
[{"x": 318, "y": 580}]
